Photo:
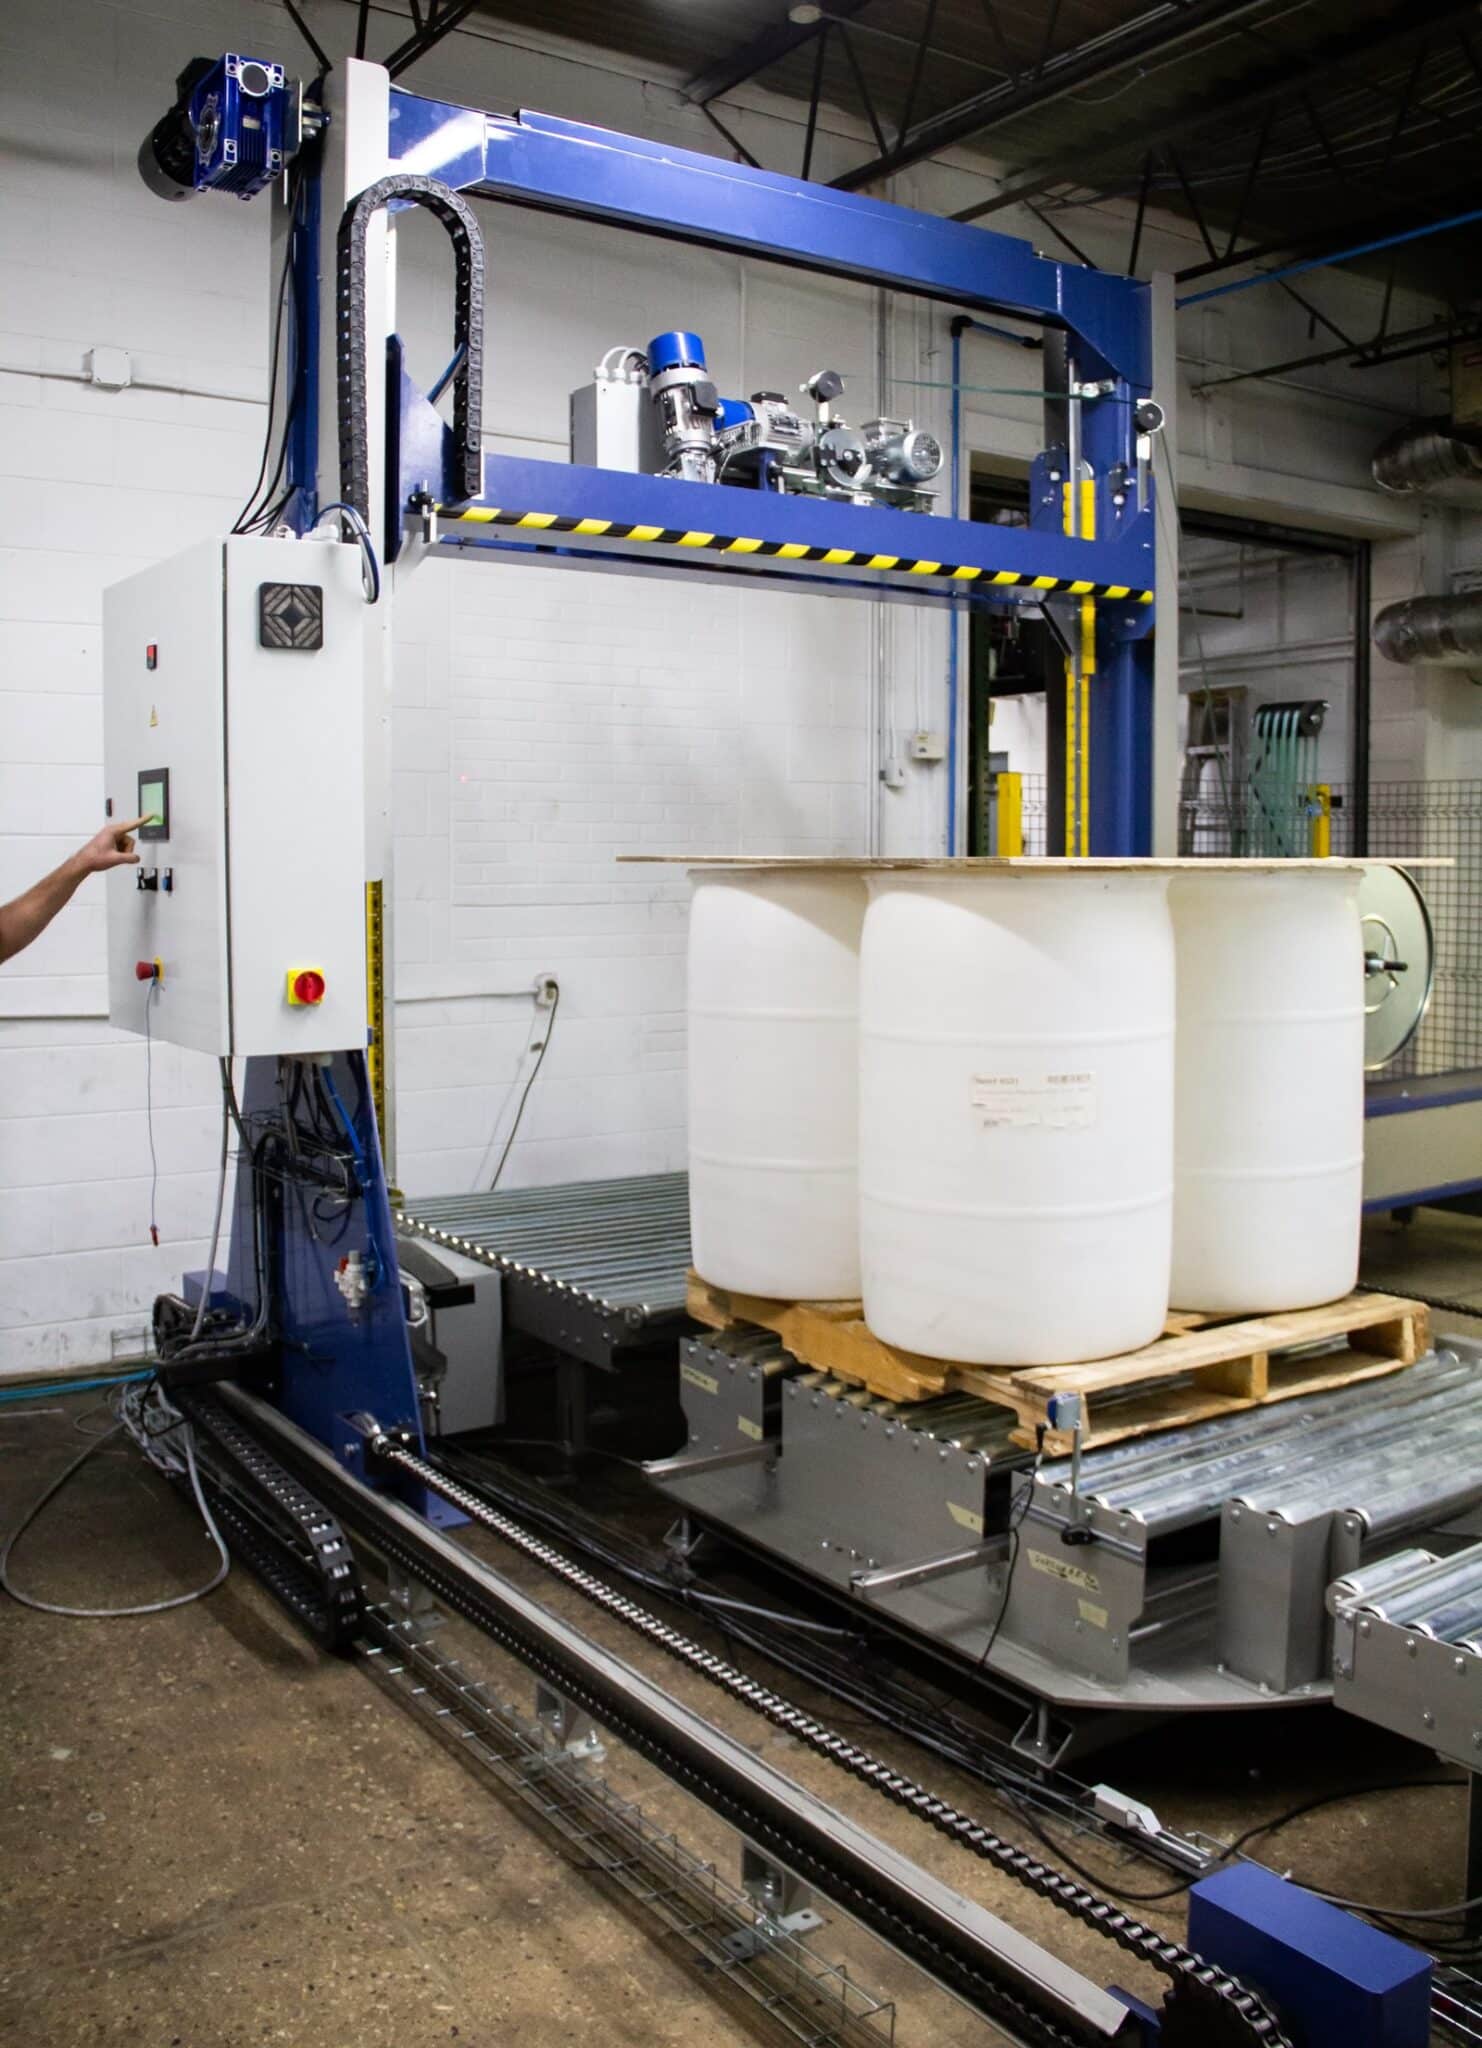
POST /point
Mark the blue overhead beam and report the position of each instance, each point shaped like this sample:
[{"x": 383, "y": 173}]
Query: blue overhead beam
[
  {"x": 654, "y": 188},
  {"x": 557, "y": 513}
]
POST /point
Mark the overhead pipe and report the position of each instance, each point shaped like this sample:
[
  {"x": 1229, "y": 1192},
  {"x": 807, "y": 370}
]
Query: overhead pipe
[
  {"x": 1245, "y": 284},
  {"x": 1434, "y": 632},
  {"x": 1424, "y": 456}
]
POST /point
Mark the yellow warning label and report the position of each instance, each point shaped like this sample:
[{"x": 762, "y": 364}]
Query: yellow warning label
[
  {"x": 965, "y": 1518},
  {"x": 699, "y": 1379},
  {"x": 1089, "y": 1611},
  {"x": 749, "y": 1428}
]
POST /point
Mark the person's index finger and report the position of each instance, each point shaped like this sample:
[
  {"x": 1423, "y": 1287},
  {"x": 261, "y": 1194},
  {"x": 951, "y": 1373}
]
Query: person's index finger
[{"x": 144, "y": 818}]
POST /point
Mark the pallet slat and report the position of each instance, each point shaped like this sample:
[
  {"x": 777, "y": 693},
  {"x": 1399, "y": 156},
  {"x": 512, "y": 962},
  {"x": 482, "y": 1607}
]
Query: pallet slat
[
  {"x": 1220, "y": 1366},
  {"x": 830, "y": 1335}
]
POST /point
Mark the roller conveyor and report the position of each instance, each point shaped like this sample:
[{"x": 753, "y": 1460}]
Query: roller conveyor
[
  {"x": 1407, "y": 1647},
  {"x": 1297, "y": 1451},
  {"x": 590, "y": 1266}
]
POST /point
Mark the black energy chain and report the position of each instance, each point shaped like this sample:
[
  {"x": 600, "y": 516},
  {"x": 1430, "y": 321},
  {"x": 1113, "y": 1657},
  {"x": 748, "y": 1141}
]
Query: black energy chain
[
  {"x": 457, "y": 217},
  {"x": 1221, "y": 2002},
  {"x": 312, "y": 1571}
]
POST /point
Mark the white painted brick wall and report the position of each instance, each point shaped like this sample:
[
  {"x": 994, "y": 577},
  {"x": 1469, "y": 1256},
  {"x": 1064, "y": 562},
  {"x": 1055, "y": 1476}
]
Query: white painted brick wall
[{"x": 544, "y": 721}]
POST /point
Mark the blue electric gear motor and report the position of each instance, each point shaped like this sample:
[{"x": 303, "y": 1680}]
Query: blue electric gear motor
[{"x": 235, "y": 123}]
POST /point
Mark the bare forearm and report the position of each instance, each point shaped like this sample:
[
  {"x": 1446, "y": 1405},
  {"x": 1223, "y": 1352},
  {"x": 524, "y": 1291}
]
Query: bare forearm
[{"x": 28, "y": 916}]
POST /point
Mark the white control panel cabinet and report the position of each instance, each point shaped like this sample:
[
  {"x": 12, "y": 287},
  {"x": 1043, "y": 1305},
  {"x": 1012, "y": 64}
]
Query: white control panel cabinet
[{"x": 234, "y": 717}]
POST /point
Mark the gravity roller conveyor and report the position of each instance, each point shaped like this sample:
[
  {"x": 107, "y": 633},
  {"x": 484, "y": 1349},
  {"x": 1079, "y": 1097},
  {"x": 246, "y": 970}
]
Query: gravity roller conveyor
[{"x": 589, "y": 1266}]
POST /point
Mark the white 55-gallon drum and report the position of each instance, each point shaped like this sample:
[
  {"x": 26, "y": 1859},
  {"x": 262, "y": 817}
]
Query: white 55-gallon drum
[
  {"x": 1269, "y": 1114},
  {"x": 774, "y": 1080},
  {"x": 1016, "y": 1112}
]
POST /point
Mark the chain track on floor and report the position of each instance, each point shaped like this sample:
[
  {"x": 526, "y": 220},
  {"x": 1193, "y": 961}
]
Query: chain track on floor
[{"x": 1196, "y": 1979}]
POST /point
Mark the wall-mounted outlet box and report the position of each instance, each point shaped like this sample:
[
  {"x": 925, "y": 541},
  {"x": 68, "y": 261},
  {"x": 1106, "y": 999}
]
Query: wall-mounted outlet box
[{"x": 928, "y": 746}]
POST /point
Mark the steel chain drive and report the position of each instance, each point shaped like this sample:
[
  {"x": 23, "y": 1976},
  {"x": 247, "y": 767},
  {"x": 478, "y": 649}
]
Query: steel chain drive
[{"x": 1253, "y": 2020}]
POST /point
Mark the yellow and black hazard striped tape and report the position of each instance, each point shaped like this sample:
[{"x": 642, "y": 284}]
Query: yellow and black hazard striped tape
[{"x": 783, "y": 550}]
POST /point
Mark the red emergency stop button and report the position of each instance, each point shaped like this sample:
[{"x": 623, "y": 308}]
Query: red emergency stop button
[
  {"x": 305, "y": 986},
  {"x": 148, "y": 970}
]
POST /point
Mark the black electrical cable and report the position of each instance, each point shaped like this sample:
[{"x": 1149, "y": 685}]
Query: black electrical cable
[
  {"x": 251, "y": 508},
  {"x": 1281, "y": 1820},
  {"x": 530, "y": 1079},
  {"x": 147, "y": 1607},
  {"x": 1232, "y": 1851},
  {"x": 1016, "y": 1524},
  {"x": 909, "y": 1720},
  {"x": 371, "y": 573},
  {"x": 880, "y": 1700},
  {"x": 154, "y": 1164},
  {"x": 1110, "y": 1886}
]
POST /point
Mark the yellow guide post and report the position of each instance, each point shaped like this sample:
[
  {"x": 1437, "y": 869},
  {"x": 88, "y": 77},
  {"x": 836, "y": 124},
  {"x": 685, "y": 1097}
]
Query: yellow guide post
[
  {"x": 1320, "y": 827},
  {"x": 1009, "y": 837}
]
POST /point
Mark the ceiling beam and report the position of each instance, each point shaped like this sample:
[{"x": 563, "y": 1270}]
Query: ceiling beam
[
  {"x": 762, "y": 52},
  {"x": 1163, "y": 27},
  {"x": 1237, "y": 97}
]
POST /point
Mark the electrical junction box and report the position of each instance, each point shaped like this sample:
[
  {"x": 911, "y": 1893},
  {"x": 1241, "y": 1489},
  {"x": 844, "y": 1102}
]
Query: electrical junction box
[
  {"x": 233, "y": 713},
  {"x": 928, "y": 746},
  {"x": 613, "y": 427}
]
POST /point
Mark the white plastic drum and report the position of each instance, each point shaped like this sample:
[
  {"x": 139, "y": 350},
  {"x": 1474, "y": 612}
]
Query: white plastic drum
[
  {"x": 774, "y": 1080},
  {"x": 1016, "y": 1113},
  {"x": 1269, "y": 1122}
]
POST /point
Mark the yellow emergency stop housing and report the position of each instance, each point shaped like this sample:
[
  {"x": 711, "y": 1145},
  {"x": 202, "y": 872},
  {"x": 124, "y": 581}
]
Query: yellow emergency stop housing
[{"x": 305, "y": 987}]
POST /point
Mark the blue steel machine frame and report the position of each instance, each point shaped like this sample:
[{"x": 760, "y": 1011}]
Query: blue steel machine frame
[
  {"x": 563, "y": 514},
  {"x": 659, "y": 524},
  {"x": 1087, "y": 558}
]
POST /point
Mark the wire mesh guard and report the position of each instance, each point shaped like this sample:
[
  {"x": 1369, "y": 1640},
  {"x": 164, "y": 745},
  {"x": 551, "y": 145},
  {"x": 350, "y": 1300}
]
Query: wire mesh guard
[{"x": 1406, "y": 820}]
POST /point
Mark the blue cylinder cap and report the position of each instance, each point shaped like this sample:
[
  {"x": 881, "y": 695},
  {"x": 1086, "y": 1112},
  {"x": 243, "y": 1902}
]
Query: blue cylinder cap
[
  {"x": 674, "y": 351},
  {"x": 733, "y": 411}
]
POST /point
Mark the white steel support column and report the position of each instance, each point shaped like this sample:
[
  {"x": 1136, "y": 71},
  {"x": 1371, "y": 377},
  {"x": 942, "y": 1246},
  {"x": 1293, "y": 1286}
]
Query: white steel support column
[{"x": 1167, "y": 758}]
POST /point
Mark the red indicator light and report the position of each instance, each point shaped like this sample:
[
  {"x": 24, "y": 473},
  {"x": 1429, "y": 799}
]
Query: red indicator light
[
  {"x": 152, "y": 655},
  {"x": 308, "y": 986}
]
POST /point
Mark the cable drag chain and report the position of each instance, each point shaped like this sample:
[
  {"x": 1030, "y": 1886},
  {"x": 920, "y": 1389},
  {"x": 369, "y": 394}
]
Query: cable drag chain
[
  {"x": 1254, "y": 2022},
  {"x": 326, "y": 1596},
  {"x": 461, "y": 225}
]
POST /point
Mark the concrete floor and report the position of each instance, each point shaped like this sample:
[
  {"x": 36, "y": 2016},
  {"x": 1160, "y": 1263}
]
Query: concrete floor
[{"x": 212, "y": 1835}]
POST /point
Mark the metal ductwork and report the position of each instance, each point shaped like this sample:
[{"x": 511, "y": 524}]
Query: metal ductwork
[
  {"x": 1437, "y": 632},
  {"x": 1427, "y": 456}
]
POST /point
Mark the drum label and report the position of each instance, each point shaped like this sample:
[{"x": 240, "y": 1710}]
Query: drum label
[{"x": 1060, "y": 1100}]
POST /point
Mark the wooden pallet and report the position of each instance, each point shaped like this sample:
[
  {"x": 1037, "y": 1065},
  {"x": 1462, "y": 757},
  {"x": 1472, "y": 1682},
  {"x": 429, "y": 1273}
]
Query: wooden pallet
[{"x": 1200, "y": 1367}]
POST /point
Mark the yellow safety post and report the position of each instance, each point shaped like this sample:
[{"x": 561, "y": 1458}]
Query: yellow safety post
[
  {"x": 1072, "y": 753},
  {"x": 1009, "y": 813},
  {"x": 1078, "y": 676},
  {"x": 1320, "y": 820}
]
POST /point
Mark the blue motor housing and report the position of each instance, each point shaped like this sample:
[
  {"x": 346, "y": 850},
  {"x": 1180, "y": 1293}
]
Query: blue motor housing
[
  {"x": 235, "y": 123},
  {"x": 239, "y": 112},
  {"x": 676, "y": 350}
]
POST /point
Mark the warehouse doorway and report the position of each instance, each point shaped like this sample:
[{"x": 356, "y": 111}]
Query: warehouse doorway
[{"x": 1273, "y": 692}]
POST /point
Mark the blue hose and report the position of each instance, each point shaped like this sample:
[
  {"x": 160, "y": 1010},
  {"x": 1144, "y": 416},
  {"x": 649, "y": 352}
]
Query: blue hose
[
  {"x": 39, "y": 1389},
  {"x": 363, "y": 1175}
]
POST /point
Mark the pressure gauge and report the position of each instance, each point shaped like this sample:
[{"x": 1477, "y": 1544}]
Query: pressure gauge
[{"x": 1399, "y": 961}]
